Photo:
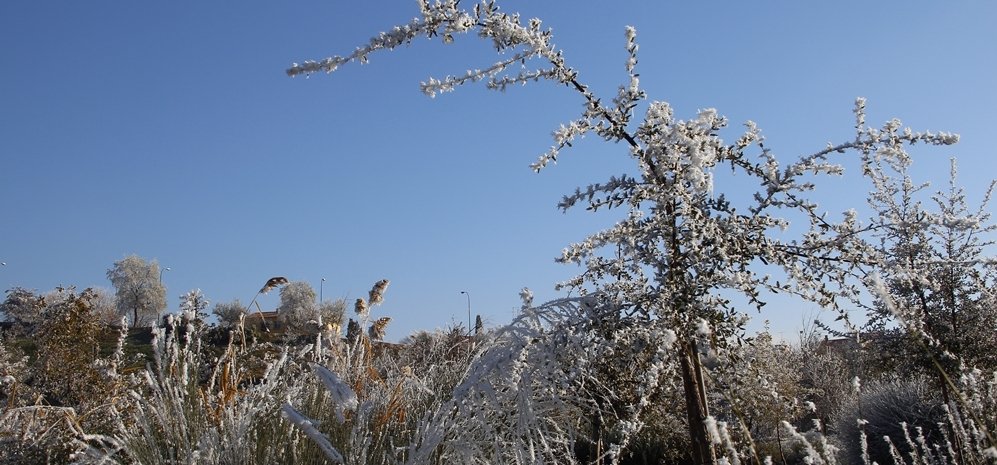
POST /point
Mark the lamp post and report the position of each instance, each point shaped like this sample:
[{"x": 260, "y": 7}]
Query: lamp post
[
  {"x": 161, "y": 270},
  {"x": 321, "y": 286},
  {"x": 468, "y": 311}
]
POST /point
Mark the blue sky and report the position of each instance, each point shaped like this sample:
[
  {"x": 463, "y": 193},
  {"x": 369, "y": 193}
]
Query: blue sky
[{"x": 169, "y": 130}]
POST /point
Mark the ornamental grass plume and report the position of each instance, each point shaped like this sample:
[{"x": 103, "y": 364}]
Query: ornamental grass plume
[
  {"x": 377, "y": 292},
  {"x": 360, "y": 306},
  {"x": 273, "y": 283},
  {"x": 376, "y": 330},
  {"x": 353, "y": 331}
]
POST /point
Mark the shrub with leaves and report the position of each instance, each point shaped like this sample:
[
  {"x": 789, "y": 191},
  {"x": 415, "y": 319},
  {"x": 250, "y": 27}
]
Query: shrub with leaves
[{"x": 68, "y": 350}]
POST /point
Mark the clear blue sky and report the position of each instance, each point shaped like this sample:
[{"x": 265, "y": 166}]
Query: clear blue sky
[{"x": 169, "y": 130}]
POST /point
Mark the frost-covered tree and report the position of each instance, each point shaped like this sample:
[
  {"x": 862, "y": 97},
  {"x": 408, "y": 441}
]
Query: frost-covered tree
[
  {"x": 297, "y": 308},
  {"x": 105, "y": 306},
  {"x": 140, "y": 294},
  {"x": 193, "y": 305},
  {"x": 935, "y": 267},
  {"x": 758, "y": 385},
  {"x": 332, "y": 312},
  {"x": 691, "y": 238},
  {"x": 229, "y": 313},
  {"x": 23, "y": 308}
]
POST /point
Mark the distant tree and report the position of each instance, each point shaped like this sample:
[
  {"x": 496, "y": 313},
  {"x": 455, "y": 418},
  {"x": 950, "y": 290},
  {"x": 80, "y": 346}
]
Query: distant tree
[
  {"x": 298, "y": 309},
  {"x": 140, "y": 294},
  {"x": 193, "y": 305},
  {"x": 105, "y": 306},
  {"x": 229, "y": 313},
  {"x": 24, "y": 308},
  {"x": 332, "y": 312}
]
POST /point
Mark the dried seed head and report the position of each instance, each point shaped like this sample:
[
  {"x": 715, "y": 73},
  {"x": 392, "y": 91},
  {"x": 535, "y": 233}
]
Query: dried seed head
[
  {"x": 333, "y": 328},
  {"x": 273, "y": 283},
  {"x": 353, "y": 331},
  {"x": 377, "y": 292},
  {"x": 360, "y": 307},
  {"x": 376, "y": 330}
]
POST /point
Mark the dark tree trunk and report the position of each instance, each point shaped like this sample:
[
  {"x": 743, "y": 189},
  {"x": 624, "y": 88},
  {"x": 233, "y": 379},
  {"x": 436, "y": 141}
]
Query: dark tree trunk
[{"x": 696, "y": 407}]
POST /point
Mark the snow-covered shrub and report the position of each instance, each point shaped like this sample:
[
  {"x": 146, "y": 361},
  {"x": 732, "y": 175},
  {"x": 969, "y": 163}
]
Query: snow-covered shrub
[
  {"x": 23, "y": 309},
  {"x": 885, "y": 408},
  {"x": 67, "y": 388},
  {"x": 825, "y": 376},
  {"x": 66, "y": 371},
  {"x": 14, "y": 370},
  {"x": 565, "y": 382},
  {"x": 229, "y": 313},
  {"x": 38, "y": 434},
  {"x": 440, "y": 359},
  {"x": 177, "y": 413},
  {"x": 974, "y": 425},
  {"x": 810, "y": 447},
  {"x": 366, "y": 399}
]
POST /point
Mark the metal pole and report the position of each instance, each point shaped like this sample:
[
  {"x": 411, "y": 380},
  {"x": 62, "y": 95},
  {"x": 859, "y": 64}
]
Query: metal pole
[
  {"x": 468, "y": 311},
  {"x": 161, "y": 270},
  {"x": 320, "y": 287}
]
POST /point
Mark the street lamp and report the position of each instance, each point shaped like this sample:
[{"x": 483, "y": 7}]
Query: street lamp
[
  {"x": 468, "y": 311},
  {"x": 321, "y": 285},
  {"x": 161, "y": 270}
]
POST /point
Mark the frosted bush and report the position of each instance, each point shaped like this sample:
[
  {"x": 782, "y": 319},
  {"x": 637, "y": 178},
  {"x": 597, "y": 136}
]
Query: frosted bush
[
  {"x": 176, "y": 413},
  {"x": 685, "y": 245},
  {"x": 885, "y": 409},
  {"x": 553, "y": 386}
]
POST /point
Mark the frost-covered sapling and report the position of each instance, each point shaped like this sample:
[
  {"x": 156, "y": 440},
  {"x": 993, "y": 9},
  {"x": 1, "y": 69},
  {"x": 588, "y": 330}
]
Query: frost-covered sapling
[{"x": 689, "y": 241}]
